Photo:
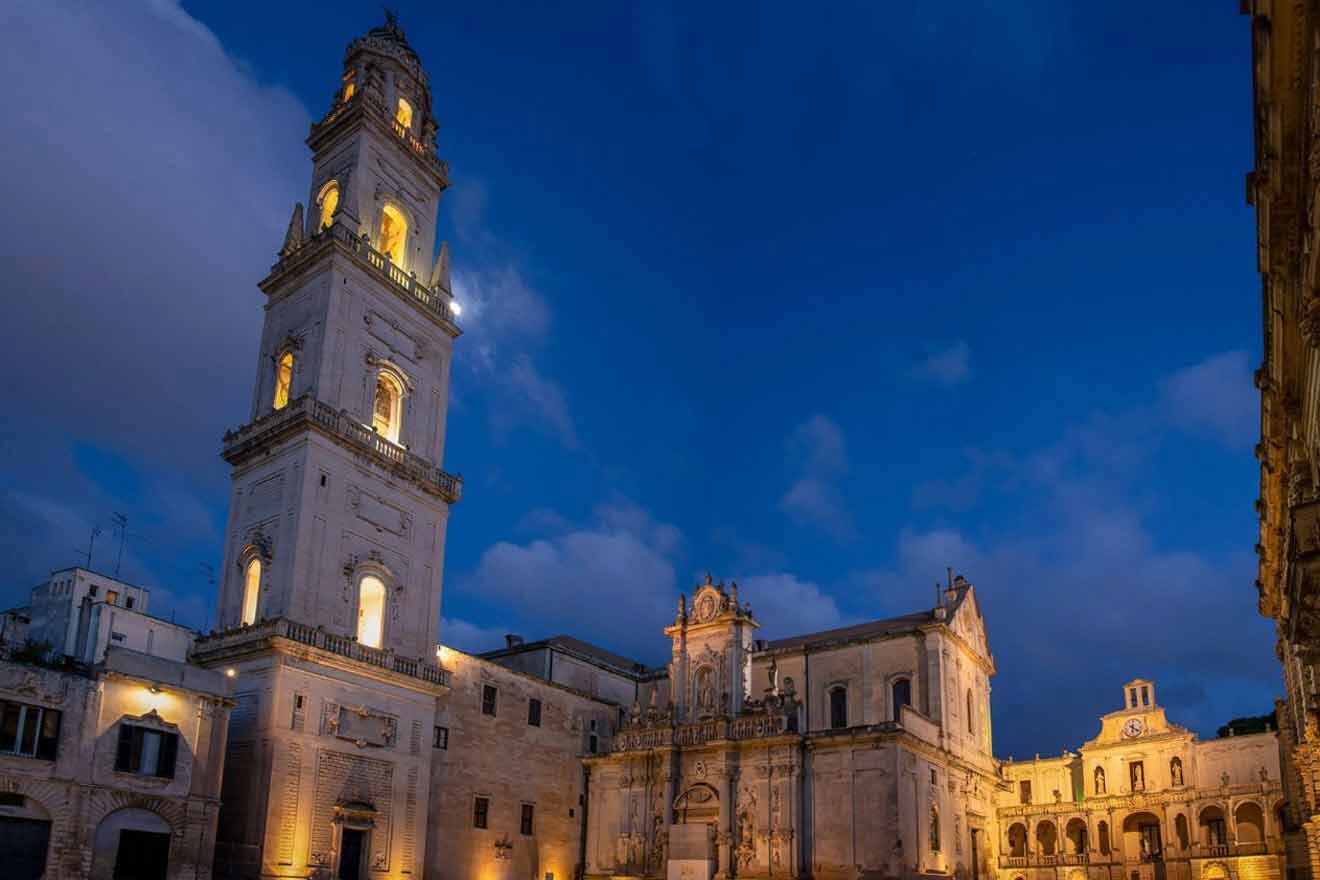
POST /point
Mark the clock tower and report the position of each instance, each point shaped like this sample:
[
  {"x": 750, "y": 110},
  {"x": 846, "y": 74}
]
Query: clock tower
[{"x": 329, "y": 601}]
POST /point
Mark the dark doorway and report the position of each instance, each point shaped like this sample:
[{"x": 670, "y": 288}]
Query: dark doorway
[
  {"x": 142, "y": 855},
  {"x": 350, "y": 854},
  {"x": 23, "y": 847}
]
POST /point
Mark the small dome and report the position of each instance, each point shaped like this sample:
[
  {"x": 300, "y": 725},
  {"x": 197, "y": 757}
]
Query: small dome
[{"x": 387, "y": 36}]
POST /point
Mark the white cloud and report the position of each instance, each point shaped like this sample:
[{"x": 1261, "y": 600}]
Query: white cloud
[
  {"x": 786, "y": 605},
  {"x": 947, "y": 366},
  {"x": 814, "y": 498},
  {"x": 1215, "y": 396}
]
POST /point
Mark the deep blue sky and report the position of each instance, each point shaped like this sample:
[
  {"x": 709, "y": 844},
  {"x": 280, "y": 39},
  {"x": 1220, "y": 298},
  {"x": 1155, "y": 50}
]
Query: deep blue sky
[{"x": 821, "y": 300}]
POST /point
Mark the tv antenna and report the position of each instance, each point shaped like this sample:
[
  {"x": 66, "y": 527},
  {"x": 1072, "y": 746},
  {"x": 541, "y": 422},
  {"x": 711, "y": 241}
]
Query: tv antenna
[
  {"x": 121, "y": 523},
  {"x": 91, "y": 542}
]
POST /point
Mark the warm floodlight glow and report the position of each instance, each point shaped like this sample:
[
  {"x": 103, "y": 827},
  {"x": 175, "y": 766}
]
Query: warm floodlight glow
[
  {"x": 251, "y": 589},
  {"x": 393, "y": 234},
  {"x": 455, "y": 307},
  {"x": 403, "y": 115},
  {"x": 328, "y": 199},
  {"x": 283, "y": 379},
  {"x": 371, "y": 611},
  {"x": 348, "y": 92},
  {"x": 385, "y": 408},
  {"x": 231, "y": 672}
]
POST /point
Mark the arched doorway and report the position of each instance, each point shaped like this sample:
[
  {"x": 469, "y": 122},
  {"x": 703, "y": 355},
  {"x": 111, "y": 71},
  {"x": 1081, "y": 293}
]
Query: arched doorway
[
  {"x": 354, "y": 821},
  {"x": 1141, "y": 838},
  {"x": 1017, "y": 840},
  {"x": 1075, "y": 831},
  {"x": 24, "y": 837},
  {"x": 1047, "y": 838},
  {"x": 131, "y": 844},
  {"x": 696, "y": 817},
  {"x": 1249, "y": 820}
]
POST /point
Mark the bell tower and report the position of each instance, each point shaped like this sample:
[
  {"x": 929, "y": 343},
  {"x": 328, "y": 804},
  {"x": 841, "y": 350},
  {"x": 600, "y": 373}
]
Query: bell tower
[
  {"x": 339, "y": 506},
  {"x": 329, "y": 602}
]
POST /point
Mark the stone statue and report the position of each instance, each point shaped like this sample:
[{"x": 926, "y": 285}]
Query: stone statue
[{"x": 1176, "y": 772}]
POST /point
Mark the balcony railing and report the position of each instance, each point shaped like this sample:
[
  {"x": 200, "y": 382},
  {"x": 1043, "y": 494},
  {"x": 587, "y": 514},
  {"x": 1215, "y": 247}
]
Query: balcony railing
[
  {"x": 374, "y": 108},
  {"x": 436, "y": 300},
  {"x": 306, "y": 410},
  {"x": 315, "y": 637}
]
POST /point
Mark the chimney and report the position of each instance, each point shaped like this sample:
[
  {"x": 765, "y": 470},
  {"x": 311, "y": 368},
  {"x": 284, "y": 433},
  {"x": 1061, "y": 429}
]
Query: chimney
[{"x": 512, "y": 640}]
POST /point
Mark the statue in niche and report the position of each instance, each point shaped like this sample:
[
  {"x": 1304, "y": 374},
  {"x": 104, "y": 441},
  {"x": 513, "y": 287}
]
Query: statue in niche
[
  {"x": 705, "y": 690},
  {"x": 1176, "y": 771},
  {"x": 1099, "y": 780},
  {"x": 746, "y": 824}
]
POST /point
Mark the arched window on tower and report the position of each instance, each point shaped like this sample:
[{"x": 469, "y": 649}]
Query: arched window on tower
[
  {"x": 371, "y": 611},
  {"x": 902, "y": 696},
  {"x": 283, "y": 379},
  {"x": 348, "y": 91},
  {"x": 386, "y": 408},
  {"x": 327, "y": 201},
  {"x": 251, "y": 590},
  {"x": 838, "y": 706},
  {"x": 403, "y": 114},
  {"x": 393, "y": 234}
]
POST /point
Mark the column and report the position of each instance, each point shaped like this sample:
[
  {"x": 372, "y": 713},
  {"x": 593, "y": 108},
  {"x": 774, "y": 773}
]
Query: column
[{"x": 725, "y": 836}]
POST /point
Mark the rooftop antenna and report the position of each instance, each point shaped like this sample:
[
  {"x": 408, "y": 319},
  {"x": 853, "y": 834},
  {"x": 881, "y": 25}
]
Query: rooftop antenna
[
  {"x": 121, "y": 523},
  {"x": 91, "y": 542}
]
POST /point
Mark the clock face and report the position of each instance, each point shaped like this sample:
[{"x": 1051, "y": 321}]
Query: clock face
[{"x": 1132, "y": 728}]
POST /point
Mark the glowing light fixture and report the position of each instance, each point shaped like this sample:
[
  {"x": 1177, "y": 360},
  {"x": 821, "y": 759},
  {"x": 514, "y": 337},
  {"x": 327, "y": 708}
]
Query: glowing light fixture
[
  {"x": 231, "y": 672},
  {"x": 455, "y": 307}
]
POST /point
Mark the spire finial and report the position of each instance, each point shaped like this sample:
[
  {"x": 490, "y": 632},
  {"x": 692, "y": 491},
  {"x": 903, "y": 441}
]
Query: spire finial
[
  {"x": 294, "y": 235},
  {"x": 440, "y": 275}
]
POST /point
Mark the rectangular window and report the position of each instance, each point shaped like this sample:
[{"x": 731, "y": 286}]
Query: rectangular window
[
  {"x": 128, "y": 601},
  {"x": 29, "y": 731},
  {"x": 146, "y": 751},
  {"x": 534, "y": 712},
  {"x": 480, "y": 812},
  {"x": 441, "y": 738},
  {"x": 91, "y": 591},
  {"x": 488, "y": 695},
  {"x": 112, "y": 597},
  {"x": 525, "y": 824},
  {"x": 1024, "y": 791}
]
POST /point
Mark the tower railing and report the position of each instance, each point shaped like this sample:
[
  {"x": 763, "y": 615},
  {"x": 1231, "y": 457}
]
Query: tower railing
[
  {"x": 434, "y": 299},
  {"x": 315, "y": 637},
  {"x": 424, "y": 149},
  {"x": 307, "y": 410}
]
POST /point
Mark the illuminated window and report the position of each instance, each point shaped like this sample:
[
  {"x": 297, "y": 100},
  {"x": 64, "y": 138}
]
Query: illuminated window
[
  {"x": 251, "y": 589},
  {"x": 348, "y": 92},
  {"x": 371, "y": 611},
  {"x": 283, "y": 379},
  {"x": 393, "y": 233},
  {"x": 403, "y": 114},
  {"x": 112, "y": 597},
  {"x": 385, "y": 408},
  {"x": 328, "y": 201}
]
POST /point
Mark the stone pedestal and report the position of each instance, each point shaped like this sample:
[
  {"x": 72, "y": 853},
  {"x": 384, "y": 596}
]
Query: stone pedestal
[{"x": 691, "y": 853}]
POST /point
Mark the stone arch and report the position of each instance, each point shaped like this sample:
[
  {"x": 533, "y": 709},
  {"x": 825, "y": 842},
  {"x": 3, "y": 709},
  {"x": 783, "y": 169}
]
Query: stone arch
[
  {"x": 1211, "y": 826},
  {"x": 50, "y": 802},
  {"x": 696, "y": 804},
  {"x": 1076, "y": 874},
  {"x": 120, "y": 812},
  {"x": 1249, "y": 822},
  {"x": 1047, "y": 838},
  {"x": 1075, "y": 833},
  {"x": 1017, "y": 840},
  {"x": 1141, "y": 835},
  {"x": 1215, "y": 871}
]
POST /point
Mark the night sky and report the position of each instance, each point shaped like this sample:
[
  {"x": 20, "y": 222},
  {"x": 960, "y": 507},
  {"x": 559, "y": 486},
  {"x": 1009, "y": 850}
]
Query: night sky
[{"x": 818, "y": 299}]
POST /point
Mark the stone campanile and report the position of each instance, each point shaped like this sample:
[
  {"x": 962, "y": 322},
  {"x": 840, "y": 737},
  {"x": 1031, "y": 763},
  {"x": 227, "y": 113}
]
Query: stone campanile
[
  {"x": 339, "y": 506},
  {"x": 330, "y": 595}
]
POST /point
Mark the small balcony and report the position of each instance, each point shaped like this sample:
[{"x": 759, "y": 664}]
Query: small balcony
[{"x": 308, "y": 412}]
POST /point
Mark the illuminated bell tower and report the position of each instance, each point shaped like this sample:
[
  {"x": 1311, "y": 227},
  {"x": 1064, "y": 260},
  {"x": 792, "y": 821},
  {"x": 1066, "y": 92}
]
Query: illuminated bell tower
[{"x": 329, "y": 600}]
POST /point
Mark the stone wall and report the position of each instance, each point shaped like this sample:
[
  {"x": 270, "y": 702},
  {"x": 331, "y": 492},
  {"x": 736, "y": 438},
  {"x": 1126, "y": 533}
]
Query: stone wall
[{"x": 510, "y": 762}]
